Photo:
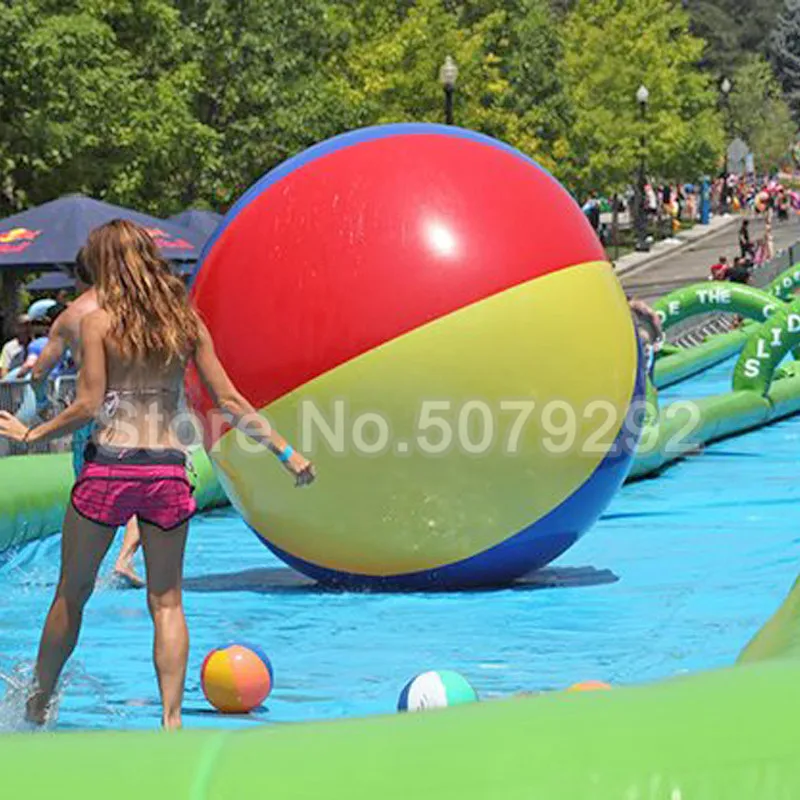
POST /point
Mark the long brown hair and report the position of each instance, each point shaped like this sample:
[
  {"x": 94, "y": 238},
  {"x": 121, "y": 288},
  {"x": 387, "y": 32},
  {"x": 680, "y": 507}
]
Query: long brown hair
[{"x": 151, "y": 319}]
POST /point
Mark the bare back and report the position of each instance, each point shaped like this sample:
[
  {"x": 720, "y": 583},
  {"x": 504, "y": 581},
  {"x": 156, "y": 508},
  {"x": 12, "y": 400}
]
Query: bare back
[
  {"x": 142, "y": 400},
  {"x": 69, "y": 323}
]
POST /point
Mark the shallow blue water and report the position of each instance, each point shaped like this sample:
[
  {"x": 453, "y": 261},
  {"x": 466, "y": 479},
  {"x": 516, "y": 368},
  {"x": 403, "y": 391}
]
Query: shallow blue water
[{"x": 676, "y": 577}]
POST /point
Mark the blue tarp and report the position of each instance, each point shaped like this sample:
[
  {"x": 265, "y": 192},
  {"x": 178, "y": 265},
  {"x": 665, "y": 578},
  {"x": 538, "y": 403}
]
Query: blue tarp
[
  {"x": 51, "y": 234},
  {"x": 203, "y": 222},
  {"x": 51, "y": 282}
]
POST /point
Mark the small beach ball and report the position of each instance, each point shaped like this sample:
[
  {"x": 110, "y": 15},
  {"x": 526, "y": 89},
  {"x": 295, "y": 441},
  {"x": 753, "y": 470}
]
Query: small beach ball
[
  {"x": 236, "y": 678},
  {"x": 436, "y": 689},
  {"x": 589, "y": 686}
]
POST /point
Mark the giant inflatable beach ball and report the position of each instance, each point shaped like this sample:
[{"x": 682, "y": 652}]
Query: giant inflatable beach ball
[{"x": 428, "y": 315}]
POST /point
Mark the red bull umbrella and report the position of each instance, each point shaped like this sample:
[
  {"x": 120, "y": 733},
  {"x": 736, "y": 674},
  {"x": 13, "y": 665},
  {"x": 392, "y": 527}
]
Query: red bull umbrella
[
  {"x": 52, "y": 234},
  {"x": 197, "y": 219}
]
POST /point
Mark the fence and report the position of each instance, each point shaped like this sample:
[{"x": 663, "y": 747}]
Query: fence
[{"x": 19, "y": 398}]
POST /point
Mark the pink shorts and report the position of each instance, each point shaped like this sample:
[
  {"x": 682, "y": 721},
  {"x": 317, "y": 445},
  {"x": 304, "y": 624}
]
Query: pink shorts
[{"x": 151, "y": 485}]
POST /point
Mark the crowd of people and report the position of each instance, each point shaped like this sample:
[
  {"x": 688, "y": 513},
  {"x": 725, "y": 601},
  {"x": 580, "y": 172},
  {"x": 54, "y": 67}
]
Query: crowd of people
[
  {"x": 31, "y": 334},
  {"x": 677, "y": 203},
  {"x": 751, "y": 255}
]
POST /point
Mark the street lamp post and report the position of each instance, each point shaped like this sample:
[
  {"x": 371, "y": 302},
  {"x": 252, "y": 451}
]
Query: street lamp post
[
  {"x": 642, "y": 245},
  {"x": 448, "y": 74},
  {"x": 725, "y": 88}
]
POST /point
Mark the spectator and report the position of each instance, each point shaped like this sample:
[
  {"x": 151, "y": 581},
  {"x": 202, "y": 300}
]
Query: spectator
[
  {"x": 746, "y": 247},
  {"x": 591, "y": 208},
  {"x": 783, "y": 207},
  {"x": 764, "y": 251},
  {"x": 651, "y": 200},
  {"x": 739, "y": 272},
  {"x": 650, "y": 330},
  {"x": 14, "y": 352},
  {"x": 41, "y": 328},
  {"x": 719, "y": 272},
  {"x": 691, "y": 202}
]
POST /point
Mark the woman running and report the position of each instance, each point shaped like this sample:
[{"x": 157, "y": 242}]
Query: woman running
[{"x": 136, "y": 348}]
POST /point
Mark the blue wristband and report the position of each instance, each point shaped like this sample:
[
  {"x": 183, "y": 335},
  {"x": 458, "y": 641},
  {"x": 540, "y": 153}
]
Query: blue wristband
[{"x": 286, "y": 454}]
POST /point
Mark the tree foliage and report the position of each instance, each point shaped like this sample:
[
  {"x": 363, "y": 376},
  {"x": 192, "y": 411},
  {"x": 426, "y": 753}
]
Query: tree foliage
[
  {"x": 785, "y": 51},
  {"x": 757, "y": 97},
  {"x": 98, "y": 98},
  {"x": 732, "y": 29},
  {"x": 610, "y": 49},
  {"x": 159, "y": 104}
]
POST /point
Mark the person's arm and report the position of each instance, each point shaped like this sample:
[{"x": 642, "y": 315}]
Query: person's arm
[
  {"x": 644, "y": 310},
  {"x": 649, "y": 317},
  {"x": 50, "y": 356},
  {"x": 92, "y": 381},
  {"x": 242, "y": 415}
]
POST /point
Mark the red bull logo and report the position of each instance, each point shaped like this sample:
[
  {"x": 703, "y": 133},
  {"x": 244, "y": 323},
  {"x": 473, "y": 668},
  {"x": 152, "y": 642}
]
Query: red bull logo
[
  {"x": 16, "y": 240},
  {"x": 166, "y": 241}
]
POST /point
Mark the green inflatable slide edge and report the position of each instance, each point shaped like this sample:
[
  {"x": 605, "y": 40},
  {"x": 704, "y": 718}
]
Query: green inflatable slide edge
[{"x": 729, "y": 734}]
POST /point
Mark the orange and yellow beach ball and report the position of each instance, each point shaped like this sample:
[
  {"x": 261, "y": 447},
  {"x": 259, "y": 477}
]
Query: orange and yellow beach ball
[{"x": 236, "y": 678}]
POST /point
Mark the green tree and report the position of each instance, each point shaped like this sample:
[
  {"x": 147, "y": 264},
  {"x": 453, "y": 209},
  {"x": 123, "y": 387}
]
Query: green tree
[
  {"x": 785, "y": 51},
  {"x": 610, "y": 47},
  {"x": 529, "y": 42},
  {"x": 265, "y": 86},
  {"x": 757, "y": 97},
  {"x": 392, "y": 70},
  {"x": 80, "y": 112},
  {"x": 733, "y": 29}
]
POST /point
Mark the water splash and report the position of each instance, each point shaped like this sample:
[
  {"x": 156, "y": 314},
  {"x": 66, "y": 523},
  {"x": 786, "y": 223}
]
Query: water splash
[{"x": 17, "y": 681}]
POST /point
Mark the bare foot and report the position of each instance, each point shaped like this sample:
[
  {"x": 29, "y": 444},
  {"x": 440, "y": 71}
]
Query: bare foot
[
  {"x": 36, "y": 708},
  {"x": 126, "y": 574},
  {"x": 171, "y": 722}
]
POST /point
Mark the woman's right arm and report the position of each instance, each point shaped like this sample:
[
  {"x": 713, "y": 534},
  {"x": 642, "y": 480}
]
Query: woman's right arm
[{"x": 242, "y": 415}]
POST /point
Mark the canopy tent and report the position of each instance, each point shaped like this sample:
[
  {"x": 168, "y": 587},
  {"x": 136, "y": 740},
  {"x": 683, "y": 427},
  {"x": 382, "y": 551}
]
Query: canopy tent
[
  {"x": 51, "y": 282},
  {"x": 51, "y": 234},
  {"x": 198, "y": 220}
]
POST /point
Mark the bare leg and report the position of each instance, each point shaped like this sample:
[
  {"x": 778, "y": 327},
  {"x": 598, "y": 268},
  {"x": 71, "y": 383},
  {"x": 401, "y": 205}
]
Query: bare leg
[
  {"x": 83, "y": 547},
  {"x": 130, "y": 544},
  {"x": 163, "y": 558}
]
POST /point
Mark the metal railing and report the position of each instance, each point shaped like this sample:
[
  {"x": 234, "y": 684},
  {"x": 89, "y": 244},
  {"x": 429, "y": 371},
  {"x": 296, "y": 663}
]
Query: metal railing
[{"x": 19, "y": 398}]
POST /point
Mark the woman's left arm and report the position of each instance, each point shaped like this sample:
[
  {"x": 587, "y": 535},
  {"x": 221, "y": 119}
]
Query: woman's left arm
[{"x": 92, "y": 381}]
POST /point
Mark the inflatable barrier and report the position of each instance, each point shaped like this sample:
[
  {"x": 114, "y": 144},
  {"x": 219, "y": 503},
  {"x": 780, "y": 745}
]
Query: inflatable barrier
[
  {"x": 786, "y": 283},
  {"x": 761, "y": 393},
  {"x": 677, "y": 364}
]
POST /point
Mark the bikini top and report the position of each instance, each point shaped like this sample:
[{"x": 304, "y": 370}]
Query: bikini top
[{"x": 114, "y": 397}]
